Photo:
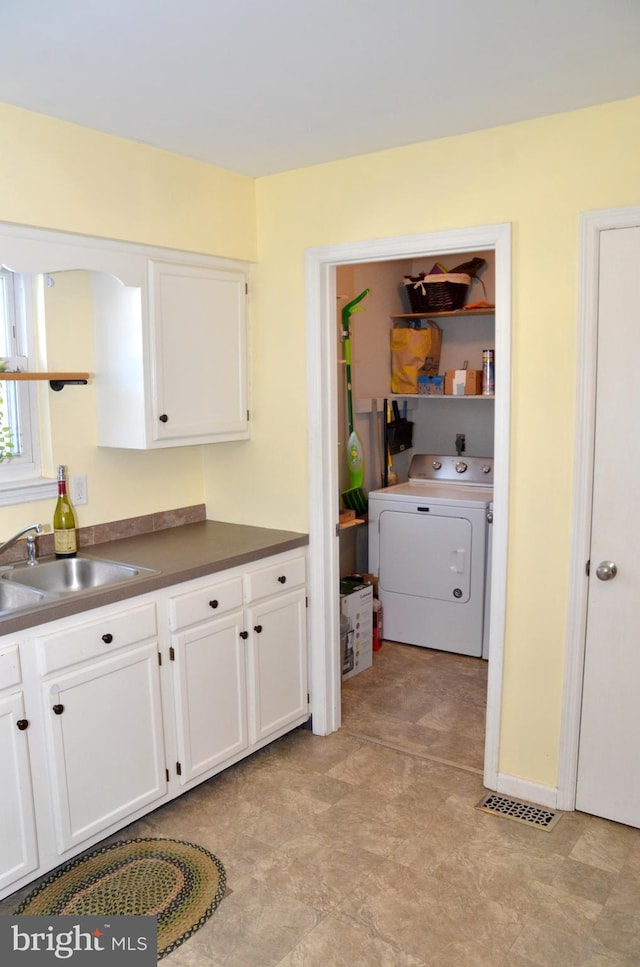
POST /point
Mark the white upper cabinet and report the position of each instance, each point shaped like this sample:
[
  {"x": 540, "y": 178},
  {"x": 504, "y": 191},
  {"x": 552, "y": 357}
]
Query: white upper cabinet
[
  {"x": 171, "y": 357},
  {"x": 198, "y": 351}
]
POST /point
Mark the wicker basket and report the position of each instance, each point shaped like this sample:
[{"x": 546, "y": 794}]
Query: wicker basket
[{"x": 437, "y": 293}]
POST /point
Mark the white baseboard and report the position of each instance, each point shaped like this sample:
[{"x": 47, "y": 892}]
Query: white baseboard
[{"x": 533, "y": 792}]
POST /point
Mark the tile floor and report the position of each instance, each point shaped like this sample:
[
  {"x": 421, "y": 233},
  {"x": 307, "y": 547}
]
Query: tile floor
[{"x": 363, "y": 849}]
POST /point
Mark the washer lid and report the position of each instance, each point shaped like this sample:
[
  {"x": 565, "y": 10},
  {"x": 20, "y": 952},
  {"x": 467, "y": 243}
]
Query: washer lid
[{"x": 435, "y": 492}]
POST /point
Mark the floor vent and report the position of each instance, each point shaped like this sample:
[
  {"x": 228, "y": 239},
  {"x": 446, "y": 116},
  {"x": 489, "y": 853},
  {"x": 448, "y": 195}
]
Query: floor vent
[{"x": 522, "y": 812}]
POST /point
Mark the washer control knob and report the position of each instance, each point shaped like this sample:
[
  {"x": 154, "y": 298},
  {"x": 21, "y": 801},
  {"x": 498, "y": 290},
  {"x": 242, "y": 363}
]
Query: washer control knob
[
  {"x": 437, "y": 465},
  {"x": 486, "y": 468},
  {"x": 461, "y": 466}
]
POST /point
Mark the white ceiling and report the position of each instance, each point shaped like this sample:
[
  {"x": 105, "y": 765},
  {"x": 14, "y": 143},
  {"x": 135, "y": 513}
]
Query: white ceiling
[{"x": 262, "y": 86}]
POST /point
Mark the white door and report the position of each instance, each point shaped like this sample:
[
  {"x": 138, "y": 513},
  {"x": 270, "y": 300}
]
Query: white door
[
  {"x": 200, "y": 346},
  {"x": 425, "y": 555},
  {"x": 18, "y": 846},
  {"x": 104, "y": 727},
  {"x": 277, "y": 664},
  {"x": 211, "y": 702},
  {"x": 609, "y": 753}
]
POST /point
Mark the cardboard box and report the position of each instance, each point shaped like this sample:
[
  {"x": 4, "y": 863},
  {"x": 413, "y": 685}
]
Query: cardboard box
[
  {"x": 430, "y": 385},
  {"x": 356, "y": 626},
  {"x": 463, "y": 382}
]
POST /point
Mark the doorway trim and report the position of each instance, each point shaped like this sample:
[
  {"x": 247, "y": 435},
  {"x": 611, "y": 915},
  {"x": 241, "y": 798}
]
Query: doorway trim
[
  {"x": 591, "y": 225},
  {"x": 322, "y": 365}
]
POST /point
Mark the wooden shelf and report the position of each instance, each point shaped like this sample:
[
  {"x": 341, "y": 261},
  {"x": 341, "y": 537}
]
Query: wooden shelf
[
  {"x": 435, "y": 315},
  {"x": 56, "y": 380},
  {"x": 60, "y": 376}
]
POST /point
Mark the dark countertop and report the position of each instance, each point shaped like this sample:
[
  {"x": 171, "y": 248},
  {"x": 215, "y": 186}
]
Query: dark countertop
[{"x": 176, "y": 554}]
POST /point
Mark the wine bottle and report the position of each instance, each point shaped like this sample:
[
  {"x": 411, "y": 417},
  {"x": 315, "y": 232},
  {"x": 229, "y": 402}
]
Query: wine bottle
[{"x": 65, "y": 539}]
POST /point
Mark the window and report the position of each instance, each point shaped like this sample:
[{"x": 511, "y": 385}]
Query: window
[{"x": 20, "y": 476}]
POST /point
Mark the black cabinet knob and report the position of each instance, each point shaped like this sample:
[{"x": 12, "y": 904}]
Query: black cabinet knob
[
  {"x": 107, "y": 639},
  {"x": 244, "y": 634},
  {"x": 163, "y": 418},
  {"x": 257, "y": 629},
  {"x": 282, "y": 579},
  {"x": 58, "y": 709},
  {"x": 22, "y": 724},
  {"x": 213, "y": 604}
]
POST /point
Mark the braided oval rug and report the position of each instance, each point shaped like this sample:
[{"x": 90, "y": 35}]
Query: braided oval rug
[{"x": 178, "y": 882}]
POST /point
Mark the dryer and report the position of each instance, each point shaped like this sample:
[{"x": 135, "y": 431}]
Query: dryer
[{"x": 429, "y": 541}]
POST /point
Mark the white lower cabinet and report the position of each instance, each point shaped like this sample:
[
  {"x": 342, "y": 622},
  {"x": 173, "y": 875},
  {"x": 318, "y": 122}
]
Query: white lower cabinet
[
  {"x": 108, "y": 714},
  {"x": 277, "y": 664},
  {"x": 104, "y": 730},
  {"x": 240, "y": 678},
  {"x": 18, "y": 840},
  {"x": 210, "y": 695},
  {"x": 102, "y": 720}
]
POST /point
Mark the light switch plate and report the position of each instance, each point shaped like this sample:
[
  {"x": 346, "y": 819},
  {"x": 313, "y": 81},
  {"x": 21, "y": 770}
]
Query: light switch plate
[{"x": 78, "y": 490}]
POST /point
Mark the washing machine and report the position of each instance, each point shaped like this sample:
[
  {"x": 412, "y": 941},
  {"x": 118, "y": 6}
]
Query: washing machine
[{"x": 429, "y": 546}]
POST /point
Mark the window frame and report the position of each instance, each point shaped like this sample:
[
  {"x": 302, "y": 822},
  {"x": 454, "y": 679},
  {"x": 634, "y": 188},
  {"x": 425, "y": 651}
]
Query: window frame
[{"x": 21, "y": 475}]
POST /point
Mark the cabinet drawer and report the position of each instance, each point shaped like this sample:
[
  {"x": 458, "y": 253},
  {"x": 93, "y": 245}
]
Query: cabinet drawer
[
  {"x": 95, "y": 638},
  {"x": 206, "y": 602},
  {"x": 9, "y": 666},
  {"x": 275, "y": 578}
]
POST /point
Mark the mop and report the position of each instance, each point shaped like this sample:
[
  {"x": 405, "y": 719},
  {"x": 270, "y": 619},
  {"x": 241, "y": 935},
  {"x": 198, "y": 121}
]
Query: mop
[{"x": 354, "y": 498}]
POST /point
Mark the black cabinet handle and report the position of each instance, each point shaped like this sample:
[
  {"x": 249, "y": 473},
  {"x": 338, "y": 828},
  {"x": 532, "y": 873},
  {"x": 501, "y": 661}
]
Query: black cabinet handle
[
  {"x": 58, "y": 709},
  {"x": 107, "y": 639},
  {"x": 22, "y": 724},
  {"x": 213, "y": 604},
  {"x": 282, "y": 579},
  {"x": 257, "y": 629},
  {"x": 163, "y": 418},
  {"x": 244, "y": 634}
]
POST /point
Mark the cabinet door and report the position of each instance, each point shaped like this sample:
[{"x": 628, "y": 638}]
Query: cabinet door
[
  {"x": 278, "y": 664},
  {"x": 104, "y": 730},
  {"x": 210, "y": 691},
  {"x": 18, "y": 845},
  {"x": 199, "y": 354}
]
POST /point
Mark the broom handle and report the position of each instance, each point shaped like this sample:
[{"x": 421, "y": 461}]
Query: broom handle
[
  {"x": 347, "y": 359},
  {"x": 347, "y": 312}
]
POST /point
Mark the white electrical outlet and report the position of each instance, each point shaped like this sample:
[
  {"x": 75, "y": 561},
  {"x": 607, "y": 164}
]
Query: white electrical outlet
[{"x": 78, "y": 490}]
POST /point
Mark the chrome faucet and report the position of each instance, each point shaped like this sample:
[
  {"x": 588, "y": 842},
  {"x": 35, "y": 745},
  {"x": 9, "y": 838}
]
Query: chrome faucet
[{"x": 31, "y": 541}]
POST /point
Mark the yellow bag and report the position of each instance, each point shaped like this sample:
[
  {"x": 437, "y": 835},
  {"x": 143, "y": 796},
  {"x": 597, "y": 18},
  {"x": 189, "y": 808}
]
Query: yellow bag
[{"x": 414, "y": 350}]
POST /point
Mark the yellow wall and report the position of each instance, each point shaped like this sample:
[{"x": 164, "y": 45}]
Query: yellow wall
[
  {"x": 62, "y": 176},
  {"x": 538, "y": 176}
]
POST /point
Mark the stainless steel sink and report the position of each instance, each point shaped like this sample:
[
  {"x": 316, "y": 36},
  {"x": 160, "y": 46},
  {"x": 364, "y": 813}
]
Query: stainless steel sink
[
  {"x": 14, "y": 597},
  {"x": 71, "y": 575}
]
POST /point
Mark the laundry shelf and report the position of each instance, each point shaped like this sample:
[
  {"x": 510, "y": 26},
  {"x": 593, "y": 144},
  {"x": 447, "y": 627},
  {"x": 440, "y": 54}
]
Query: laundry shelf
[
  {"x": 434, "y": 315},
  {"x": 365, "y": 404},
  {"x": 440, "y": 396}
]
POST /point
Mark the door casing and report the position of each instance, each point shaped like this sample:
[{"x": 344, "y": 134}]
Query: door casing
[
  {"x": 322, "y": 394},
  {"x": 591, "y": 225}
]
